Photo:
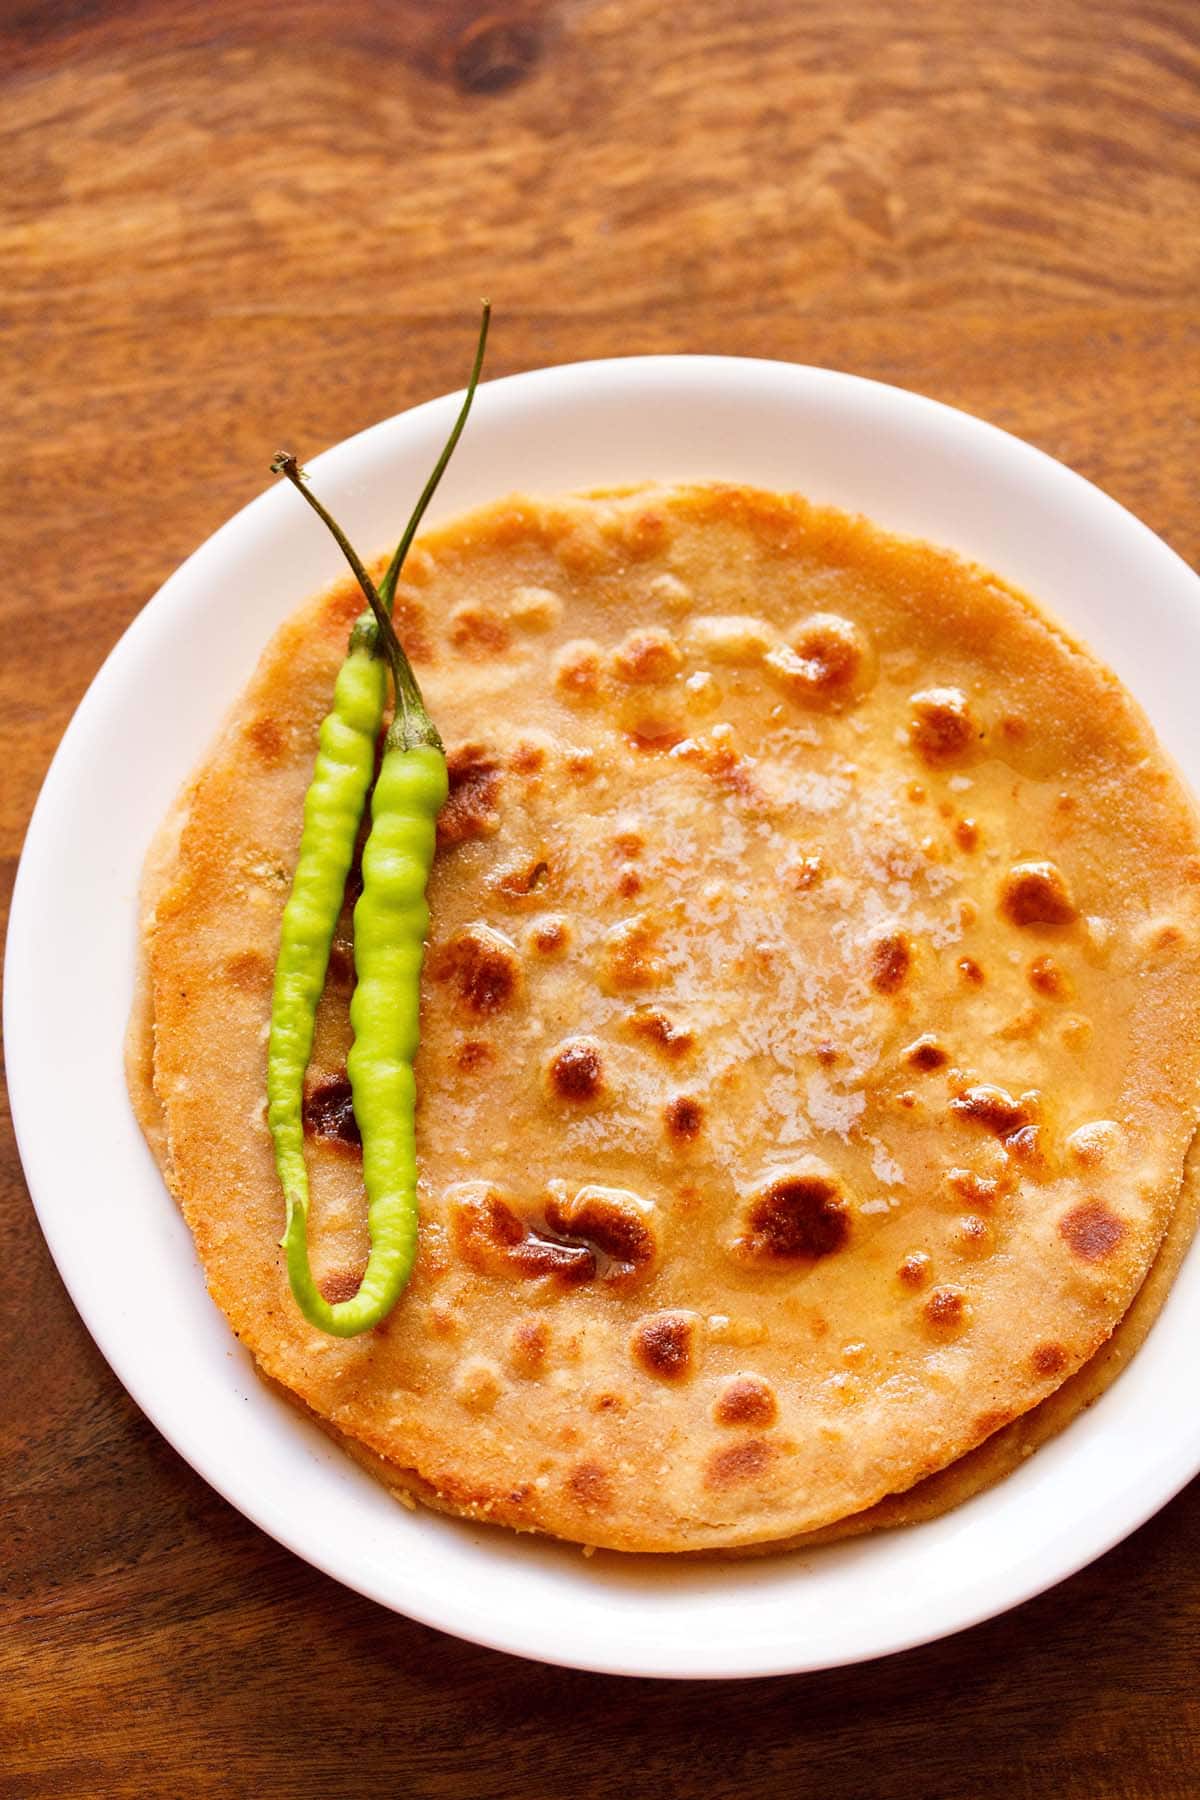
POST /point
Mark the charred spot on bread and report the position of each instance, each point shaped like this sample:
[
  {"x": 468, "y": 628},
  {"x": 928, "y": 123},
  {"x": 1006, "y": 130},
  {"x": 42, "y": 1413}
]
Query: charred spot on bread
[
  {"x": 664, "y": 1345},
  {"x": 942, "y": 726},
  {"x": 889, "y": 959},
  {"x": 328, "y": 1112},
  {"x": 1036, "y": 893},
  {"x": 796, "y": 1217},
  {"x": 482, "y": 966},
  {"x": 471, "y": 809}
]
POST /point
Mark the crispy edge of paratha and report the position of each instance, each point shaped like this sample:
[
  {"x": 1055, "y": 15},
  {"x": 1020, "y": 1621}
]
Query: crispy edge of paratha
[{"x": 158, "y": 871}]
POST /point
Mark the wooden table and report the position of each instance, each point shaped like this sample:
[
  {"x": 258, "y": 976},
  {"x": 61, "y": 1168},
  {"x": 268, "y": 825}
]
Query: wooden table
[{"x": 234, "y": 221}]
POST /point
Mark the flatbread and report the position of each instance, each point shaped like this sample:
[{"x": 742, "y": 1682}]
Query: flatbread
[
  {"x": 809, "y": 1023},
  {"x": 982, "y": 1468},
  {"x": 1009, "y": 1447}
]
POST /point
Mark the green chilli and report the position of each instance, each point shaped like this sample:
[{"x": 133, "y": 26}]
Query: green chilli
[
  {"x": 333, "y": 810},
  {"x": 391, "y": 923}
]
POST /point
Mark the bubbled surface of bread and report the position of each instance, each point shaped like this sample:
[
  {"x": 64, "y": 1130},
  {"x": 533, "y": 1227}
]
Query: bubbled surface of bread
[{"x": 809, "y": 1019}]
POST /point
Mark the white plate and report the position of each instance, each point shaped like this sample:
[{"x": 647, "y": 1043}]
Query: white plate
[{"x": 122, "y": 1248}]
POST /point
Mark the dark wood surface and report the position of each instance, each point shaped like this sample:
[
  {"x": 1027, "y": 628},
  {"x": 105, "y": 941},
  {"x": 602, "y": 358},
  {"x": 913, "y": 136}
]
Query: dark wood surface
[{"x": 226, "y": 222}]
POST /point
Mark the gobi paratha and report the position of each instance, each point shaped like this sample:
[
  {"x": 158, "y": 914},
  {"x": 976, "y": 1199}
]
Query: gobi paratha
[
  {"x": 809, "y": 1021},
  {"x": 981, "y": 1468}
]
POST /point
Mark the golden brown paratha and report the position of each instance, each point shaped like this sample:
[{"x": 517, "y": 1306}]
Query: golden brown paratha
[
  {"x": 929, "y": 1498},
  {"x": 809, "y": 1021}
]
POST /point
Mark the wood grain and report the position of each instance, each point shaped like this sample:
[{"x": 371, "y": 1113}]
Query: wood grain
[{"x": 228, "y": 224}]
